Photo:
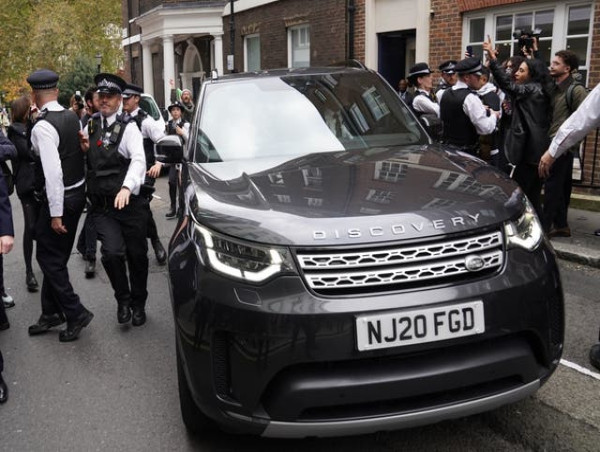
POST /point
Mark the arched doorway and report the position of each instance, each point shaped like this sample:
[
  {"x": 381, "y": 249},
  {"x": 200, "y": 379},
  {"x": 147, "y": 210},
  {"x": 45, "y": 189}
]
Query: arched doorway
[{"x": 193, "y": 73}]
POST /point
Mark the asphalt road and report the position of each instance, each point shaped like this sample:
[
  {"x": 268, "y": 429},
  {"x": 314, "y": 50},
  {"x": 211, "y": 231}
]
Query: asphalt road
[{"x": 116, "y": 387}]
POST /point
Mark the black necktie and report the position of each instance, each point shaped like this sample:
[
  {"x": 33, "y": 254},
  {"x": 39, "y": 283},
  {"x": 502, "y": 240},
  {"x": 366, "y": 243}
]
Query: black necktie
[{"x": 104, "y": 124}]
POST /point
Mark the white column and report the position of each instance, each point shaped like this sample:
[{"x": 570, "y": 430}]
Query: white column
[
  {"x": 371, "y": 53},
  {"x": 147, "y": 71},
  {"x": 169, "y": 67},
  {"x": 218, "y": 54}
]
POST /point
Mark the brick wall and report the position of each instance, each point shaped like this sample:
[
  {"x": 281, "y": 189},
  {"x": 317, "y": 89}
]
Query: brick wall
[{"x": 328, "y": 33}]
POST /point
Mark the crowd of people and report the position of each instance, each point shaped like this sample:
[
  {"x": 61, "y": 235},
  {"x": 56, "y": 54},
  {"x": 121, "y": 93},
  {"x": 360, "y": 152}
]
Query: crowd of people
[
  {"x": 519, "y": 116},
  {"x": 97, "y": 155}
]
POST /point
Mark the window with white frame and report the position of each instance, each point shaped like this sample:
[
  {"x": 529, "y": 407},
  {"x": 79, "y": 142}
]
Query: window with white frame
[
  {"x": 252, "y": 53},
  {"x": 299, "y": 46},
  {"x": 563, "y": 25}
]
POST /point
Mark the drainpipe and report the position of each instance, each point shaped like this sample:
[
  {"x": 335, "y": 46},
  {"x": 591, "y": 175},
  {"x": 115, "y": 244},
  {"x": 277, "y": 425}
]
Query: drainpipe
[{"x": 351, "y": 14}]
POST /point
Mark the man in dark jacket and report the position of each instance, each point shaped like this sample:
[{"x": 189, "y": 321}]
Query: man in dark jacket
[{"x": 557, "y": 187}]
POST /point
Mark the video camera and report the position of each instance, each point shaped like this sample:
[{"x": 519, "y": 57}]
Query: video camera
[{"x": 526, "y": 37}]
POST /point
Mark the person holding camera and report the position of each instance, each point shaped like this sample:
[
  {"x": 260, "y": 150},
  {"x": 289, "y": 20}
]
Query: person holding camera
[
  {"x": 527, "y": 138},
  {"x": 528, "y": 42}
]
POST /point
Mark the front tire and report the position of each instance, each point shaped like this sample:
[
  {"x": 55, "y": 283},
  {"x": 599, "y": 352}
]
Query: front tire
[{"x": 194, "y": 419}]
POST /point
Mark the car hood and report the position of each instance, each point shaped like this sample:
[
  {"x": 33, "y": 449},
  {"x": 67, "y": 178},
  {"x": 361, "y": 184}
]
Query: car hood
[{"x": 375, "y": 195}]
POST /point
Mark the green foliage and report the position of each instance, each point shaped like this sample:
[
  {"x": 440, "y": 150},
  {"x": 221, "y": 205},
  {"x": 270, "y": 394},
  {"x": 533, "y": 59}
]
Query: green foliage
[
  {"x": 78, "y": 78},
  {"x": 62, "y": 35}
]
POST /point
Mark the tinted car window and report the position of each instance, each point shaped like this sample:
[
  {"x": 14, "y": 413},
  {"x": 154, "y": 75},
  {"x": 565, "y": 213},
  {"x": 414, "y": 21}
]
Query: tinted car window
[
  {"x": 301, "y": 114},
  {"x": 149, "y": 106}
]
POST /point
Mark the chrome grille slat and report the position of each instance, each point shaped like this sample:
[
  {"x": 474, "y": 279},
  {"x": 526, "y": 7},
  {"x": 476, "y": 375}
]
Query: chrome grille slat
[{"x": 428, "y": 263}]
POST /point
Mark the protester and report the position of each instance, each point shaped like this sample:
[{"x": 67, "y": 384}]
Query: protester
[
  {"x": 488, "y": 93},
  {"x": 585, "y": 119},
  {"x": 7, "y": 152},
  {"x": 187, "y": 104},
  {"x": 23, "y": 168},
  {"x": 116, "y": 166},
  {"x": 60, "y": 183},
  {"x": 568, "y": 95},
  {"x": 462, "y": 112},
  {"x": 531, "y": 114}
]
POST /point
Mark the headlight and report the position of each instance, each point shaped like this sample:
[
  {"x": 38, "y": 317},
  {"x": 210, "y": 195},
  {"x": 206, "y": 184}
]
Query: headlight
[
  {"x": 242, "y": 260},
  {"x": 526, "y": 231}
]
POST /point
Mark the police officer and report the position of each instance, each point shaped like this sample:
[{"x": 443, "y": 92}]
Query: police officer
[
  {"x": 177, "y": 125},
  {"x": 116, "y": 166},
  {"x": 60, "y": 184},
  {"x": 152, "y": 131},
  {"x": 424, "y": 101},
  {"x": 462, "y": 111},
  {"x": 448, "y": 78}
]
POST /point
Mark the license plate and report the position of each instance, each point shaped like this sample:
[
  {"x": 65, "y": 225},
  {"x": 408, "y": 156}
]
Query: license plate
[{"x": 400, "y": 328}]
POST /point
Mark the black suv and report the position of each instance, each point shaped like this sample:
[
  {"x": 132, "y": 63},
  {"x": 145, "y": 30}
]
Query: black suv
[{"x": 335, "y": 272}]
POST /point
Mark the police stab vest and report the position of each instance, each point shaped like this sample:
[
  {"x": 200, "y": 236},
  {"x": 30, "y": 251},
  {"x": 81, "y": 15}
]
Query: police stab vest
[
  {"x": 458, "y": 128},
  {"x": 67, "y": 126},
  {"x": 106, "y": 166}
]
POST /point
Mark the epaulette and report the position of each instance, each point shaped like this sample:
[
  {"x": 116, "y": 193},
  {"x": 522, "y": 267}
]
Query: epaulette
[{"x": 124, "y": 117}]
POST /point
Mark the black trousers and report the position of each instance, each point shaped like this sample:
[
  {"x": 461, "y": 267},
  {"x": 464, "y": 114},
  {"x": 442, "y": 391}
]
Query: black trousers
[
  {"x": 526, "y": 175},
  {"x": 146, "y": 193},
  {"x": 31, "y": 209},
  {"x": 557, "y": 193},
  {"x": 53, "y": 252},
  {"x": 122, "y": 235},
  {"x": 86, "y": 244}
]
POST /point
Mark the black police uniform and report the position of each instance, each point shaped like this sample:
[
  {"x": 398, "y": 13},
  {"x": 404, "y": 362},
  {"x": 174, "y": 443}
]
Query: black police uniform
[
  {"x": 53, "y": 249},
  {"x": 173, "y": 172}
]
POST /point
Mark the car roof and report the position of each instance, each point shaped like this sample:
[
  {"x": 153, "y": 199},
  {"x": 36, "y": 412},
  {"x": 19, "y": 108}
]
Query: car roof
[{"x": 284, "y": 72}]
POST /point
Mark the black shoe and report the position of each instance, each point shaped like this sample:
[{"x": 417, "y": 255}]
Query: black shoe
[
  {"x": 90, "y": 268},
  {"x": 46, "y": 322},
  {"x": 171, "y": 213},
  {"x": 31, "y": 282},
  {"x": 159, "y": 251},
  {"x": 595, "y": 356},
  {"x": 123, "y": 313},
  {"x": 3, "y": 390},
  {"x": 74, "y": 328},
  {"x": 597, "y": 232},
  {"x": 139, "y": 316},
  {"x": 4, "y": 326}
]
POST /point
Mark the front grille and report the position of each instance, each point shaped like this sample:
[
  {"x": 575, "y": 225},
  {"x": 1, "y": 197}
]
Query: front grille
[{"x": 390, "y": 267}]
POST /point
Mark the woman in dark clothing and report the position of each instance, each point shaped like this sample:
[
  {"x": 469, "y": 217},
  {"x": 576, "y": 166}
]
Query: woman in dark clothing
[
  {"x": 531, "y": 92},
  {"x": 24, "y": 181}
]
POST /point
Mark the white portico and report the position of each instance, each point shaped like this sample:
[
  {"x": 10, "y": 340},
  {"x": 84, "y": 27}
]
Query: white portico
[{"x": 174, "y": 28}]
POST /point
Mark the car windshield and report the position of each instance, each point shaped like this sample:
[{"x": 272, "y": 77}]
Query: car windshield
[{"x": 301, "y": 114}]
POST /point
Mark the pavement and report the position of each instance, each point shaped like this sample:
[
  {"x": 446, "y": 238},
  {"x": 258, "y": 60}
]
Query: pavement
[{"x": 583, "y": 247}]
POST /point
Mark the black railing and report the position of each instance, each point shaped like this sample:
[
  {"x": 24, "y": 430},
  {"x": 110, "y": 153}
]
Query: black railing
[{"x": 585, "y": 166}]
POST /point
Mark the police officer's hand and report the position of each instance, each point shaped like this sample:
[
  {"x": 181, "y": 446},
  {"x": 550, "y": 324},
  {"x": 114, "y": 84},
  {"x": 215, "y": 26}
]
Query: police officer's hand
[
  {"x": 122, "y": 198},
  {"x": 57, "y": 225},
  {"x": 84, "y": 141},
  {"x": 6, "y": 244},
  {"x": 546, "y": 163},
  {"x": 154, "y": 170}
]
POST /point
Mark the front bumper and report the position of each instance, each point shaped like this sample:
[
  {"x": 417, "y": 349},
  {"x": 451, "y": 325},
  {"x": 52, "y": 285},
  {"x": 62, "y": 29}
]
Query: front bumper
[{"x": 280, "y": 361}]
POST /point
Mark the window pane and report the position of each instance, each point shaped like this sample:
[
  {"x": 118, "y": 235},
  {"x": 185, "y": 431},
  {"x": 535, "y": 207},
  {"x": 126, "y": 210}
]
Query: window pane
[
  {"x": 523, "y": 22},
  {"x": 300, "y": 47},
  {"x": 477, "y": 28},
  {"x": 503, "y": 28},
  {"x": 544, "y": 20},
  {"x": 545, "y": 51},
  {"x": 579, "y": 20},
  {"x": 579, "y": 46}
]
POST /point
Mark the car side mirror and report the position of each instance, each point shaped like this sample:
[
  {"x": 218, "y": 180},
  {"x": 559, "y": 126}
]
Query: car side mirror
[
  {"x": 433, "y": 125},
  {"x": 169, "y": 149}
]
